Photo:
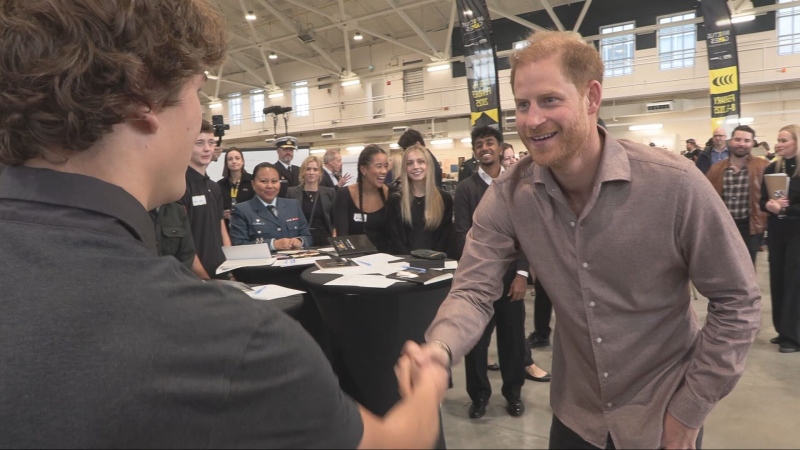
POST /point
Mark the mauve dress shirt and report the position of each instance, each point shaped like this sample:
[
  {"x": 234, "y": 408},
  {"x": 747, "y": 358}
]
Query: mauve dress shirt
[{"x": 628, "y": 346}]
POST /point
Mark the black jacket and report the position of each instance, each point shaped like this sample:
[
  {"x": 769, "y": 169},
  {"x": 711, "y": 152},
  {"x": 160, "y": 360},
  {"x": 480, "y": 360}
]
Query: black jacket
[
  {"x": 288, "y": 178},
  {"x": 327, "y": 197},
  {"x": 246, "y": 191}
]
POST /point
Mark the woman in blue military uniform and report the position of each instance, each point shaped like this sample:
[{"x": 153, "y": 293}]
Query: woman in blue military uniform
[{"x": 267, "y": 218}]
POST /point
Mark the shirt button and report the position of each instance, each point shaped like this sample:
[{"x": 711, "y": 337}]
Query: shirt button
[
  {"x": 599, "y": 340},
  {"x": 279, "y": 229},
  {"x": 609, "y": 404},
  {"x": 585, "y": 265},
  {"x": 572, "y": 223},
  {"x": 591, "y": 304},
  {"x": 605, "y": 375}
]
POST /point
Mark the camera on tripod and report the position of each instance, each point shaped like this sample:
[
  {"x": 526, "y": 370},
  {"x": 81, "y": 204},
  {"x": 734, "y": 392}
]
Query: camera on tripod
[{"x": 219, "y": 125}]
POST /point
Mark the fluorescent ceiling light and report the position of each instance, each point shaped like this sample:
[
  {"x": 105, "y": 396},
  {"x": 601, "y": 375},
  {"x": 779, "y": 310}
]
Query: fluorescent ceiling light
[
  {"x": 355, "y": 148},
  {"x": 394, "y": 146},
  {"x": 466, "y": 141},
  {"x": 438, "y": 67},
  {"x": 272, "y": 55},
  {"x": 358, "y": 36},
  {"x": 215, "y": 105},
  {"x": 649, "y": 126},
  {"x": 250, "y": 15},
  {"x": 317, "y": 150},
  {"x": 443, "y": 141},
  {"x": 278, "y": 94},
  {"x": 743, "y": 18},
  {"x": 741, "y": 120},
  {"x": 351, "y": 82}
]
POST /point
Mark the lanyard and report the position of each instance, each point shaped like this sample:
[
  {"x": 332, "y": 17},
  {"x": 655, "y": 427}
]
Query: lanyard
[{"x": 234, "y": 191}]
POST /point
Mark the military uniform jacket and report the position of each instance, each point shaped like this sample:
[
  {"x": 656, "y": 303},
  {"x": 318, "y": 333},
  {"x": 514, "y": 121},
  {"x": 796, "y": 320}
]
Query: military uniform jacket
[
  {"x": 252, "y": 220},
  {"x": 289, "y": 178}
]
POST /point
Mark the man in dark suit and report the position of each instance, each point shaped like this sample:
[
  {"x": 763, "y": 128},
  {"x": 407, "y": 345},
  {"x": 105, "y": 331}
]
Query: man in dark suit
[
  {"x": 332, "y": 175},
  {"x": 466, "y": 170},
  {"x": 289, "y": 173}
]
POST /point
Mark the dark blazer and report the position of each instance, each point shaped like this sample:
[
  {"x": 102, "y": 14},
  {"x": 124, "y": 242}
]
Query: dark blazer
[
  {"x": 252, "y": 220},
  {"x": 288, "y": 178},
  {"x": 326, "y": 197},
  {"x": 466, "y": 170},
  {"x": 327, "y": 181},
  {"x": 246, "y": 191}
]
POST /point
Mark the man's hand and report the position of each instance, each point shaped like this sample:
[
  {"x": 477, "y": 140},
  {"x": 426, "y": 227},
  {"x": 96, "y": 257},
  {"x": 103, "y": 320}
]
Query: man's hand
[
  {"x": 518, "y": 288},
  {"x": 297, "y": 243},
  {"x": 411, "y": 375},
  {"x": 426, "y": 354},
  {"x": 343, "y": 180},
  {"x": 678, "y": 435}
]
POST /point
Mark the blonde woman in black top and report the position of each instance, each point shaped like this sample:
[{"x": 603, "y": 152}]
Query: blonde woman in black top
[{"x": 420, "y": 216}]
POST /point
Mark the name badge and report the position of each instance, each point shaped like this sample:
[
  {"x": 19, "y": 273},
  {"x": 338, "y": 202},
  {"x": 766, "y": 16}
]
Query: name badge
[
  {"x": 358, "y": 217},
  {"x": 199, "y": 200}
]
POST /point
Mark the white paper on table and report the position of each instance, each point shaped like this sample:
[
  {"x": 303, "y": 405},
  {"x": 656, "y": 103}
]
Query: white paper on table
[
  {"x": 298, "y": 261},
  {"x": 448, "y": 265},
  {"x": 245, "y": 256},
  {"x": 347, "y": 270},
  {"x": 386, "y": 269},
  {"x": 375, "y": 259},
  {"x": 271, "y": 292},
  {"x": 238, "y": 264},
  {"x": 369, "y": 281},
  {"x": 326, "y": 250}
]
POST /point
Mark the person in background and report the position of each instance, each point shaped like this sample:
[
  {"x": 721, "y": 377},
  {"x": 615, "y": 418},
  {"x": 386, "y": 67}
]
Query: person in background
[
  {"x": 267, "y": 219},
  {"x": 769, "y": 155},
  {"x": 714, "y": 153},
  {"x": 104, "y": 343},
  {"x": 332, "y": 176},
  {"x": 411, "y": 137},
  {"x": 173, "y": 233},
  {"x": 509, "y": 158},
  {"x": 692, "y": 149},
  {"x": 783, "y": 241},
  {"x": 289, "y": 173},
  {"x": 236, "y": 184},
  {"x": 394, "y": 176},
  {"x": 632, "y": 366},
  {"x": 203, "y": 203},
  {"x": 316, "y": 201},
  {"x": 361, "y": 207},
  {"x": 420, "y": 216}
]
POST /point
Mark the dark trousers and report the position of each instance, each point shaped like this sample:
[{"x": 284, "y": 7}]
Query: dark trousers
[
  {"x": 542, "y": 311},
  {"x": 784, "y": 265},
  {"x": 561, "y": 437},
  {"x": 752, "y": 241},
  {"x": 512, "y": 352}
]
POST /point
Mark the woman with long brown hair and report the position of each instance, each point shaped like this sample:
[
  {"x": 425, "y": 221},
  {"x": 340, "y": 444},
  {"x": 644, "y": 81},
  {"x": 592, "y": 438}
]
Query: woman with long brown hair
[
  {"x": 360, "y": 208},
  {"x": 236, "y": 184},
  {"x": 783, "y": 240}
]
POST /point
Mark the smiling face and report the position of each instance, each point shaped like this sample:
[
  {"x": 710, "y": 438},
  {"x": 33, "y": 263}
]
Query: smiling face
[
  {"x": 741, "y": 143},
  {"x": 553, "y": 117},
  {"x": 203, "y": 151},
  {"x": 267, "y": 183},
  {"x": 374, "y": 173},
  {"x": 311, "y": 175},
  {"x": 416, "y": 166},
  {"x": 234, "y": 160},
  {"x": 509, "y": 158},
  {"x": 786, "y": 145},
  {"x": 486, "y": 150}
]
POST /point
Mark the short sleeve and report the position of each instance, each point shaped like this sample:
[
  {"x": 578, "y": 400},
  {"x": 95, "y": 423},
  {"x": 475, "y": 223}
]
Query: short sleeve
[{"x": 284, "y": 394}]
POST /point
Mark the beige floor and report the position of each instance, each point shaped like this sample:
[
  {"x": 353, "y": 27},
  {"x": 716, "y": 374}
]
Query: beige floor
[{"x": 762, "y": 412}]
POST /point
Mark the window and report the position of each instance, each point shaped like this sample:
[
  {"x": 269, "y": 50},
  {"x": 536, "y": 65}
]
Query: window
[
  {"x": 412, "y": 85},
  {"x": 300, "y": 104},
  {"x": 676, "y": 44},
  {"x": 618, "y": 51},
  {"x": 257, "y": 105},
  {"x": 788, "y": 29},
  {"x": 235, "y": 109}
]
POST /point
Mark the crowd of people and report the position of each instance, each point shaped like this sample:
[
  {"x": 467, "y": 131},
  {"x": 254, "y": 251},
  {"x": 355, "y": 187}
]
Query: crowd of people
[{"x": 98, "y": 188}]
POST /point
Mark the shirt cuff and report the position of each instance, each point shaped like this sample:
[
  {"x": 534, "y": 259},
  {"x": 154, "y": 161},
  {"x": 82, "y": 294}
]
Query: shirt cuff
[
  {"x": 522, "y": 273},
  {"x": 272, "y": 244},
  {"x": 688, "y": 409}
]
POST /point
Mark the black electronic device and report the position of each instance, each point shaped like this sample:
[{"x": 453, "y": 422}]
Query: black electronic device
[{"x": 218, "y": 122}]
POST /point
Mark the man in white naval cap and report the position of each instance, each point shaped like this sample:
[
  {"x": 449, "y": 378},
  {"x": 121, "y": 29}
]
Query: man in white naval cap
[{"x": 289, "y": 173}]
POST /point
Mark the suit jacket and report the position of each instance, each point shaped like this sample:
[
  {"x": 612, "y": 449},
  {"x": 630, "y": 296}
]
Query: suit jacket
[
  {"x": 466, "y": 170},
  {"x": 288, "y": 178},
  {"x": 326, "y": 198},
  {"x": 252, "y": 220},
  {"x": 327, "y": 180}
]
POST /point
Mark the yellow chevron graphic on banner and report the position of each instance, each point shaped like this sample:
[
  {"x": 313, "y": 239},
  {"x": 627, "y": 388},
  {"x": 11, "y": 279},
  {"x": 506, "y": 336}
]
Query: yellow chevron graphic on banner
[
  {"x": 724, "y": 80},
  {"x": 492, "y": 113}
]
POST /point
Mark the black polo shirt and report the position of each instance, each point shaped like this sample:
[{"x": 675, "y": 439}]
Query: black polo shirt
[
  {"x": 204, "y": 206},
  {"x": 107, "y": 345}
]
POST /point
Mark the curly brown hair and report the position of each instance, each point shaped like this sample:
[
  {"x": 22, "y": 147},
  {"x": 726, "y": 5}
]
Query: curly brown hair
[{"x": 71, "y": 69}]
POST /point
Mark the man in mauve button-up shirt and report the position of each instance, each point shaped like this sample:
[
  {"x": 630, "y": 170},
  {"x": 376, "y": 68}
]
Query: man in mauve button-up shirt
[{"x": 615, "y": 231}]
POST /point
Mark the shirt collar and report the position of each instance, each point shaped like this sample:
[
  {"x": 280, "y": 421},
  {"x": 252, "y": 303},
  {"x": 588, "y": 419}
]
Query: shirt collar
[
  {"x": 80, "y": 192},
  {"x": 614, "y": 163},
  {"x": 287, "y": 166},
  {"x": 486, "y": 177},
  {"x": 274, "y": 202},
  {"x": 331, "y": 173}
]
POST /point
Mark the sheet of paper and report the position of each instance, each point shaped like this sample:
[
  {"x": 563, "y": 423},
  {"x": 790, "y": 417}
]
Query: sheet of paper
[
  {"x": 368, "y": 281},
  {"x": 326, "y": 249},
  {"x": 239, "y": 263},
  {"x": 271, "y": 292},
  {"x": 254, "y": 251},
  {"x": 299, "y": 261},
  {"x": 348, "y": 270},
  {"x": 375, "y": 259}
]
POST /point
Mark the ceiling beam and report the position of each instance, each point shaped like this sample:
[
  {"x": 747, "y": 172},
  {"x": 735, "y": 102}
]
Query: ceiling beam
[
  {"x": 249, "y": 71},
  {"x": 516, "y": 19},
  {"x": 260, "y": 50},
  {"x": 448, "y": 46},
  {"x": 310, "y": 9},
  {"x": 552, "y": 14},
  {"x": 422, "y": 35},
  {"x": 396, "y": 42},
  {"x": 346, "y": 39},
  {"x": 579, "y": 22}
]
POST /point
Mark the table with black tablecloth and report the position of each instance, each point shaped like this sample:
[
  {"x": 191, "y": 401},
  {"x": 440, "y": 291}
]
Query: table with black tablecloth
[{"x": 368, "y": 327}]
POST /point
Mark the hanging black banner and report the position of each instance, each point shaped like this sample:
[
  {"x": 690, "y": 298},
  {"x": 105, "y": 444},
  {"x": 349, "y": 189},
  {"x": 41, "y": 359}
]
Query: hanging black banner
[
  {"x": 723, "y": 64},
  {"x": 479, "y": 57}
]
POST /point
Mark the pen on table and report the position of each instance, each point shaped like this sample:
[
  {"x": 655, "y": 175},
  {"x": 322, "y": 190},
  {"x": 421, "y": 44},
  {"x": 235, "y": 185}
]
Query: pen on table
[{"x": 258, "y": 291}]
